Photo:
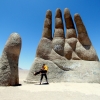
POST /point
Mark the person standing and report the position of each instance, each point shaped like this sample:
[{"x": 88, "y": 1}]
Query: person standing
[{"x": 43, "y": 72}]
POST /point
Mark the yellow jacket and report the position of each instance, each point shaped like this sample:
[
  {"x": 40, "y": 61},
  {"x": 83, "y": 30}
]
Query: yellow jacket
[{"x": 46, "y": 67}]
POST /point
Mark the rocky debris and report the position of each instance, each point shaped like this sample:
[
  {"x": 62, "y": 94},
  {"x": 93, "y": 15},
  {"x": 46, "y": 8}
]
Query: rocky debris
[
  {"x": 9, "y": 61},
  {"x": 70, "y": 57}
]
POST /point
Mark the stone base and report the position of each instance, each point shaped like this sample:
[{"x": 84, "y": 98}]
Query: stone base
[{"x": 67, "y": 71}]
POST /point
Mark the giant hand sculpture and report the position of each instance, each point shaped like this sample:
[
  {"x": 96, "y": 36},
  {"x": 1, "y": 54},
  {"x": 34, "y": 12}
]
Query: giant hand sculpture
[
  {"x": 72, "y": 46},
  {"x": 68, "y": 57}
]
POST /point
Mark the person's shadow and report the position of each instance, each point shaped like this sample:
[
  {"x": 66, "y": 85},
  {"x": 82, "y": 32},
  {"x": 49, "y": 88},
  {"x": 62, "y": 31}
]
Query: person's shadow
[{"x": 42, "y": 84}]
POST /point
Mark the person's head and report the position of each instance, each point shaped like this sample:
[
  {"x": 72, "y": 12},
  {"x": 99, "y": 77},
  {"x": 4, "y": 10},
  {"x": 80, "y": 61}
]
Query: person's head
[{"x": 43, "y": 66}]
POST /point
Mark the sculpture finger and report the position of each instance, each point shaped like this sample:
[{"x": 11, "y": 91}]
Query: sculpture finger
[
  {"x": 84, "y": 48},
  {"x": 58, "y": 39},
  {"x": 70, "y": 29},
  {"x": 44, "y": 47},
  {"x": 82, "y": 33},
  {"x": 47, "y": 31},
  {"x": 9, "y": 61},
  {"x": 71, "y": 37}
]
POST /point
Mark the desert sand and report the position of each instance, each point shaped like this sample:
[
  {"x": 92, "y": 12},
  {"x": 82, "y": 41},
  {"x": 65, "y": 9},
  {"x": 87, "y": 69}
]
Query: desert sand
[{"x": 51, "y": 91}]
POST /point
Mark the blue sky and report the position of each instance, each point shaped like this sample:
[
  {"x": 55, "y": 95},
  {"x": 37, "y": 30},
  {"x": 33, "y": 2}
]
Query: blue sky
[{"x": 26, "y": 17}]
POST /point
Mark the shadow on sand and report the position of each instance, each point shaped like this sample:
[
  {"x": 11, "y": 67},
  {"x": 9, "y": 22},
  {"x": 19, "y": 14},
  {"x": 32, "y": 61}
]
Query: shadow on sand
[
  {"x": 17, "y": 85},
  {"x": 42, "y": 84}
]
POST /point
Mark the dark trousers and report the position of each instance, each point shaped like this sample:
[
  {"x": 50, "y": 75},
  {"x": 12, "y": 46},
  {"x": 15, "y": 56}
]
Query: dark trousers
[{"x": 43, "y": 75}]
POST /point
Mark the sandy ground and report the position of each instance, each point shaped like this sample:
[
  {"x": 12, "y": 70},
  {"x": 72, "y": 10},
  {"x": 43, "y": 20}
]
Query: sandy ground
[{"x": 53, "y": 91}]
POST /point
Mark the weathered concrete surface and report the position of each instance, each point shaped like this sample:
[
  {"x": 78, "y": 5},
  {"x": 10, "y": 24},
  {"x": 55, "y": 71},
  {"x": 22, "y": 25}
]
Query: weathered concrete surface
[
  {"x": 47, "y": 31},
  {"x": 70, "y": 57},
  {"x": 67, "y": 70},
  {"x": 9, "y": 61},
  {"x": 45, "y": 46},
  {"x": 58, "y": 40}
]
